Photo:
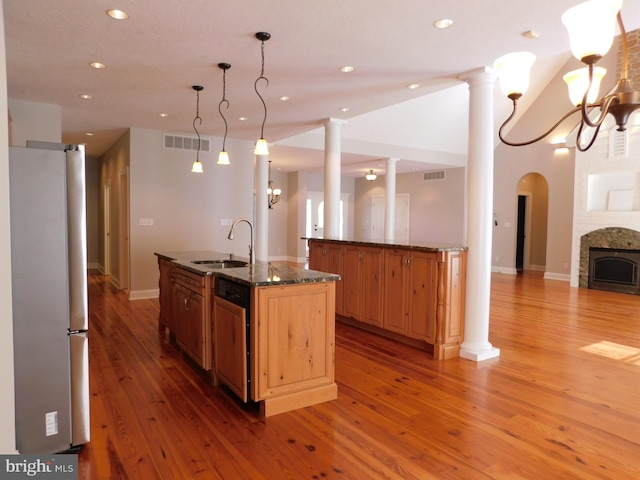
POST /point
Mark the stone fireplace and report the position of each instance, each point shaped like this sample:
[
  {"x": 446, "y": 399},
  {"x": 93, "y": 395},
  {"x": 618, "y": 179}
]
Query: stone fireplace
[{"x": 611, "y": 242}]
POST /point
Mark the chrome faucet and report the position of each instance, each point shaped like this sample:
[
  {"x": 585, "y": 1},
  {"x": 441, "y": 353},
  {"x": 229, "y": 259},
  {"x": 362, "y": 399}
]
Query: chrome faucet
[{"x": 251, "y": 245}]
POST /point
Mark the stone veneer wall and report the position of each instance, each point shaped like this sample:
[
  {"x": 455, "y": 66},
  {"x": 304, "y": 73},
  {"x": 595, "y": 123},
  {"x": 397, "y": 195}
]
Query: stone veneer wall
[{"x": 612, "y": 237}]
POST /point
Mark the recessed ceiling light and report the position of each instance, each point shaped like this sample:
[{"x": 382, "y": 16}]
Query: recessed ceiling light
[
  {"x": 163, "y": 115},
  {"x": 346, "y": 69},
  {"x": 243, "y": 119},
  {"x": 413, "y": 86},
  {"x": 443, "y": 23},
  {"x": 85, "y": 96},
  {"x": 345, "y": 109},
  {"x": 89, "y": 134},
  {"x": 284, "y": 98},
  {"x": 117, "y": 14},
  {"x": 97, "y": 65}
]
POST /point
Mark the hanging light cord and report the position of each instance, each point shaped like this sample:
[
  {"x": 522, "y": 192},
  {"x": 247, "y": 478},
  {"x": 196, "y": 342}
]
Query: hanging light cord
[
  {"x": 255, "y": 86},
  {"x": 197, "y": 89},
  {"x": 224, "y": 100}
]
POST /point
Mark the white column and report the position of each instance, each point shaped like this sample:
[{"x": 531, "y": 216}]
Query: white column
[
  {"x": 261, "y": 207},
  {"x": 479, "y": 181},
  {"x": 332, "y": 168},
  {"x": 390, "y": 201}
]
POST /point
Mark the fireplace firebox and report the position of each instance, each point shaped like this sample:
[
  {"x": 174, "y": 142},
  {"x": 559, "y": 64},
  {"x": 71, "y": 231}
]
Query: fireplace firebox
[{"x": 614, "y": 269}]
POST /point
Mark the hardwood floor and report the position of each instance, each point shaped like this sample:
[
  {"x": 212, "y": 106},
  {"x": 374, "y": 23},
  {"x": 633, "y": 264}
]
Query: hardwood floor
[{"x": 561, "y": 402}]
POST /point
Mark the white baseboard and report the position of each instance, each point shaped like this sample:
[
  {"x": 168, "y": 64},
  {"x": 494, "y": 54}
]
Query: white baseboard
[
  {"x": 144, "y": 294},
  {"x": 557, "y": 276},
  {"x": 505, "y": 270}
]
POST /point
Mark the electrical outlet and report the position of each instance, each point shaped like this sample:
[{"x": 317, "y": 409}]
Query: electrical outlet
[
  {"x": 226, "y": 222},
  {"x": 51, "y": 423},
  {"x": 145, "y": 222}
]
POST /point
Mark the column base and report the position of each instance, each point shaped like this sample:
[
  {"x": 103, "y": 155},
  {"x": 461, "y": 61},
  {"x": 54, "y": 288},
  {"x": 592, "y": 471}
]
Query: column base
[{"x": 480, "y": 356}]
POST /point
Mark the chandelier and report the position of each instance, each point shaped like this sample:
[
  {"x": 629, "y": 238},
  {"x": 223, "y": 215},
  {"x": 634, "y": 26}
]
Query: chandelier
[
  {"x": 371, "y": 176},
  {"x": 273, "y": 193},
  {"x": 591, "y": 27}
]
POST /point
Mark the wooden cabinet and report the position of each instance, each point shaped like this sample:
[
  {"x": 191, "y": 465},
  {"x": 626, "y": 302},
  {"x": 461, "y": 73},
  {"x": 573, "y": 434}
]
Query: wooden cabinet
[
  {"x": 166, "y": 294},
  {"x": 191, "y": 319},
  {"x": 410, "y": 284},
  {"x": 293, "y": 346},
  {"x": 230, "y": 346},
  {"x": 329, "y": 257},
  {"x": 362, "y": 289}
]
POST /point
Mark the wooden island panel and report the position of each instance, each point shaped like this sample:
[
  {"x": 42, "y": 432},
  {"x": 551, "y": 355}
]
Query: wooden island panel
[{"x": 293, "y": 341}]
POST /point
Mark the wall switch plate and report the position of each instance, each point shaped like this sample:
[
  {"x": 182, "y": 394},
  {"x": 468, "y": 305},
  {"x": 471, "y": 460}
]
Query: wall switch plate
[{"x": 226, "y": 222}]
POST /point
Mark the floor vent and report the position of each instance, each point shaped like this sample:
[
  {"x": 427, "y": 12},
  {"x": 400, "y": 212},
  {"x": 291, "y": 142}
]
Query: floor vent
[
  {"x": 177, "y": 142},
  {"x": 434, "y": 175},
  {"x": 618, "y": 142}
]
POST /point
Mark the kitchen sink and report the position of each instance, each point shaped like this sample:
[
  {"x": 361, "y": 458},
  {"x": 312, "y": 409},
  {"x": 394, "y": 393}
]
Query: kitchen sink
[{"x": 221, "y": 263}]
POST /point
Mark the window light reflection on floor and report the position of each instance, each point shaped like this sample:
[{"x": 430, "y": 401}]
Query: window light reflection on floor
[{"x": 615, "y": 351}]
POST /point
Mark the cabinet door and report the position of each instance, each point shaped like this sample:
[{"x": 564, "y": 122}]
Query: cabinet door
[
  {"x": 351, "y": 283},
  {"x": 318, "y": 259},
  {"x": 422, "y": 269},
  {"x": 190, "y": 323},
  {"x": 395, "y": 309},
  {"x": 372, "y": 286},
  {"x": 230, "y": 346}
]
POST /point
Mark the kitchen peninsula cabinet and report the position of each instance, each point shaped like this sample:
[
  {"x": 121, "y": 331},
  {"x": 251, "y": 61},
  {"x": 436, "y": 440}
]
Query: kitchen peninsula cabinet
[
  {"x": 329, "y": 258},
  {"x": 420, "y": 290},
  {"x": 362, "y": 284},
  {"x": 166, "y": 293}
]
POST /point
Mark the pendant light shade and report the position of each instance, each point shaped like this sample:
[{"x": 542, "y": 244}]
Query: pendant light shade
[
  {"x": 197, "y": 166},
  {"x": 261, "y": 145},
  {"x": 223, "y": 156}
]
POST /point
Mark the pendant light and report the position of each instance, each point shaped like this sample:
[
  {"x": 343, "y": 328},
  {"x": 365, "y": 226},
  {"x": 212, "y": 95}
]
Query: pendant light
[
  {"x": 261, "y": 145},
  {"x": 197, "y": 166},
  {"x": 223, "y": 156},
  {"x": 371, "y": 176},
  {"x": 273, "y": 193}
]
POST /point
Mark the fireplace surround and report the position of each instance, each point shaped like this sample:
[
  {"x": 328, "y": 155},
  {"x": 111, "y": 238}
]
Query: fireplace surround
[{"x": 611, "y": 239}]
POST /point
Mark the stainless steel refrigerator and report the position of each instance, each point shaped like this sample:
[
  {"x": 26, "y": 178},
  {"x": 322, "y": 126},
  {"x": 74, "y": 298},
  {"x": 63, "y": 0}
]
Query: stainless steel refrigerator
[{"x": 49, "y": 288}]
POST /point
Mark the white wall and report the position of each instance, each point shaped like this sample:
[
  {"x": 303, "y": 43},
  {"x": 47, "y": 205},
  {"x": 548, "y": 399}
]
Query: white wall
[
  {"x": 7, "y": 405},
  {"x": 186, "y": 208},
  {"x": 436, "y": 206},
  {"x": 34, "y": 121}
]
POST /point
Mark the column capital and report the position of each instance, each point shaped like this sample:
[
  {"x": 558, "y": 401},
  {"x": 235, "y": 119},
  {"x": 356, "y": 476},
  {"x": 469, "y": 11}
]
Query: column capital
[
  {"x": 333, "y": 122},
  {"x": 485, "y": 74}
]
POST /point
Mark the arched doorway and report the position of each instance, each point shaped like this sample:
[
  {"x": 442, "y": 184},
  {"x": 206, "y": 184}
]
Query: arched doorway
[{"x": 532, "y": 214}]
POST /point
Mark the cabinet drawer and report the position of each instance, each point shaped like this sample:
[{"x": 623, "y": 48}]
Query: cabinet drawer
[{"x": 192, "y": 281}]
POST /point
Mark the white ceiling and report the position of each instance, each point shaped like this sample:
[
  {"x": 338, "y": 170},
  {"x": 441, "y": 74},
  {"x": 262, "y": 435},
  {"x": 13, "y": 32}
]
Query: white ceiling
[{"x": 165, "y": 47}]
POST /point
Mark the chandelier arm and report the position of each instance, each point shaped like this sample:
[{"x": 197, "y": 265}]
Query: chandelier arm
[
  {"x": 538, "y": 138},
  {"x": 593, "y": 138}
]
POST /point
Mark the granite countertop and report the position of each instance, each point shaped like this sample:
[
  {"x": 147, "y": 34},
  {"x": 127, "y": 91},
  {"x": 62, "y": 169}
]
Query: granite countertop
[
  {"x": 258, "y": 275},
  {"x": 425, "y": 247}
]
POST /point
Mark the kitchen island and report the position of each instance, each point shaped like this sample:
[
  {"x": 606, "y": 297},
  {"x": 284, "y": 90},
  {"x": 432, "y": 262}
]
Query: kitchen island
[
  {"x": 266, "y": 331},
  {"x": 410, "y": 293}
]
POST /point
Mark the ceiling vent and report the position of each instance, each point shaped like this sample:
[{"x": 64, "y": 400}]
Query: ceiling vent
[
  {"x": 618, "y": 143},
  {"x": 177, "y": 142},
  {"x": 434, "y": 175}
]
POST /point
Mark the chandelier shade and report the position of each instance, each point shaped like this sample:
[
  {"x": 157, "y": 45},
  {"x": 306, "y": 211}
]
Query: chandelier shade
[
  {"x": 591, "y": 27},
  {"x": 578, "y": 83},
  {"x": 513, "y": 71}
]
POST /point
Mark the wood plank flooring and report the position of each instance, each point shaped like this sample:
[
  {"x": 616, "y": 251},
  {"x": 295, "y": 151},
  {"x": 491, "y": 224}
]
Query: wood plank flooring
[{"x": 561, "y": 402}]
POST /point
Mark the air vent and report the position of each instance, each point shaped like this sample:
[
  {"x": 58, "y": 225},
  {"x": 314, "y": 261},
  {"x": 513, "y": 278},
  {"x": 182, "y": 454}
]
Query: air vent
[
  {"x": 434, "y": 175},
  {"x": 176, "y": 142},
  {"x": 618, "y": 142}
]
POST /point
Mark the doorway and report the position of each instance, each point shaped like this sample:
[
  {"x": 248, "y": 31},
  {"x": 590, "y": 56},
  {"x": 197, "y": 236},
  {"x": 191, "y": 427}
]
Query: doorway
[
  {"x": 532, "y": 199},
  {"x": 106, "y": 263}
]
